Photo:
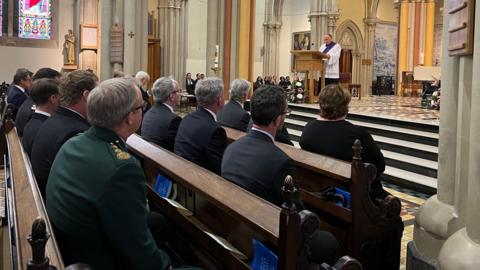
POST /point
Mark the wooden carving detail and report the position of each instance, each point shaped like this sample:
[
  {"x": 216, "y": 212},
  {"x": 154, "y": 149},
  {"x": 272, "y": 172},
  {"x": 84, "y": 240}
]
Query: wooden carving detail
[{"x": 38, "y": 240}]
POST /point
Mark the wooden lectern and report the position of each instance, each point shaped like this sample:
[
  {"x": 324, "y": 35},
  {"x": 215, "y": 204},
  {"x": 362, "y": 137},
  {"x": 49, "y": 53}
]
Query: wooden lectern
[{"x": 310, "y": 61}]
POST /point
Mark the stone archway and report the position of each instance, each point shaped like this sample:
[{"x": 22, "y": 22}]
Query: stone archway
[{"x": 350, "y": 38}]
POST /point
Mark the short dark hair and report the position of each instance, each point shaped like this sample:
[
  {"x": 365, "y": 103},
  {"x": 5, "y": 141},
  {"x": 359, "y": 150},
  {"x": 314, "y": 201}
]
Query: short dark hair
[
  {"x": 42, "y": 90},
  {"x": 49, "y": 73},
  {"x": 333, "y": 101},
  {"x": 267, "y": 103},
  {"x": 73, "y": 85},
  {"x": 21, "y": 74}
]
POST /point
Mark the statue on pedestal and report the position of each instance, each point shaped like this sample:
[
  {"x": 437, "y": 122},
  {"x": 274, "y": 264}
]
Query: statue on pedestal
[{"x": 70, "y": 47}]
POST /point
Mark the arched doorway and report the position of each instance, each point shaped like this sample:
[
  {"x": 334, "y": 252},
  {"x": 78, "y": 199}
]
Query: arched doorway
[{"x": 350, "y": 38}]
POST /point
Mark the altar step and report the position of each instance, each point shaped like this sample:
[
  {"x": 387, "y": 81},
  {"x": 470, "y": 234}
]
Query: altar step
[{"x": 410, "y": 148}]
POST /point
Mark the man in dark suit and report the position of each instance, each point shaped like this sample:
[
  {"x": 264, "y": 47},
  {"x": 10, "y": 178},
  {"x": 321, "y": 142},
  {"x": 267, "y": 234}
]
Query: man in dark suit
[
  {"x": 68, "y": 120},
  {"x": 25, "y": 111},
  {"x": 233, "y": 115},
  {"x": 160, "y": 123},
  {"x": 44, "y": 94},
  {"x": 96, "y": 189},
  {"x": 17, "y": 93},
  {"x": 282, "y": 133},
  {"x": 190, "y": 84},
  {"x": 200, "y": 138},
  {"x": 254, "y": 162}
]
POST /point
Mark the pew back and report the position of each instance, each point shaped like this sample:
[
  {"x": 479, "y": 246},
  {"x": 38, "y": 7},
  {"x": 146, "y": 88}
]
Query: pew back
[{"x": 24, "y": 205}]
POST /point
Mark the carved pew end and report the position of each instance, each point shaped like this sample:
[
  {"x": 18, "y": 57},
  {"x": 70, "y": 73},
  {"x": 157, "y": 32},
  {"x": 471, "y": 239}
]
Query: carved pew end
[{"x": 38, "y": 240}]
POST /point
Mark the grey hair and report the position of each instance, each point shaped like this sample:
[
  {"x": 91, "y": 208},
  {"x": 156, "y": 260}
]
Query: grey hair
[
  {"x": 142, "y": 75},
  {"x": 162, "y": 88},
  {"x": 208, "y": 90},
  {"x": 111, "y": 101},
  {"x": 239, "y": 89}
]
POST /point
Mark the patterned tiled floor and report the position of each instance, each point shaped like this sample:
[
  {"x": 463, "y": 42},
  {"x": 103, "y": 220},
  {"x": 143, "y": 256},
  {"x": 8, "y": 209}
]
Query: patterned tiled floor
[
  {"x": 411, "y": 201},
  {"x": 393, "y": 107}
]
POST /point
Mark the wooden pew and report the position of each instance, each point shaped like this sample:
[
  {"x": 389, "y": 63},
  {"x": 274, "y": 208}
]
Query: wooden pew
[
  {"x": 27, "y": 217},
  {"x": 211, "y": 207},
  {"x": 367, "y": 231}
]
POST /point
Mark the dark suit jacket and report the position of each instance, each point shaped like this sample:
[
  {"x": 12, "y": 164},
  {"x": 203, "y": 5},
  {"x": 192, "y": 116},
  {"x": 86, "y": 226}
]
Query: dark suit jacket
[
  {"x": 160, "y": 126},
  {"x": 282, "y": 134},
  {"x": 16, "y": 97},
  {"x": 234, "y": 116},
  {"x": 31, "y": 130},
  {"x": 54, "y": 132},
  {"x": 201, "y": 140},
  {"x": 190, "y": 86},
  {"x": 255, "y": 163},
  {"x": 336, "y": 138},
  {"x": 24, "y": 114}
]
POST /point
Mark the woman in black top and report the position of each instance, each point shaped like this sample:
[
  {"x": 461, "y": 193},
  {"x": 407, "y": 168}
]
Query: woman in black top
[{"x": 332, "y": 135}]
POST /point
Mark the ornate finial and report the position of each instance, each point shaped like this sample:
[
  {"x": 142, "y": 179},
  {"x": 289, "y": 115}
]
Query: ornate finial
[
  {"x": 38, "y": 239},
  {"x": 357, "y": 150},
  {"x": 289, "y": 191}
]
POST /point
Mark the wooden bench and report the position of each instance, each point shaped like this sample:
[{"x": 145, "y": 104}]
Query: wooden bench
[
  {"x": 216, "y": 221},
  {"x": 29, "y": 226},
  {"x": 370, "y": 232}
]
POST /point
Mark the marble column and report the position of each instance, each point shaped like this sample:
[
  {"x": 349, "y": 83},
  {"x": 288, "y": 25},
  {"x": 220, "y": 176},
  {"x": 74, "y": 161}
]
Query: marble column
[
  {"x": 213, "y": 36},
  {"x": 429, "y": 32},
  {"x": 117, "y": 19},
  {"x": 129, "y": 33}
]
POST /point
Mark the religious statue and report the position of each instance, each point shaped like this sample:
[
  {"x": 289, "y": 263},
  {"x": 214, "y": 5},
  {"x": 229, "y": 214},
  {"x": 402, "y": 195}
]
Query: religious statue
[{"x": 70, "y": 47}]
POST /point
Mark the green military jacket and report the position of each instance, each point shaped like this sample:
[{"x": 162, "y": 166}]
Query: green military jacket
[{"x": 96, "y": 202}]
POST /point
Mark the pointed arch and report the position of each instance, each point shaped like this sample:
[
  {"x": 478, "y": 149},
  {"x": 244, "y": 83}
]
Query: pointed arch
[{"x": 350, "y": 38}]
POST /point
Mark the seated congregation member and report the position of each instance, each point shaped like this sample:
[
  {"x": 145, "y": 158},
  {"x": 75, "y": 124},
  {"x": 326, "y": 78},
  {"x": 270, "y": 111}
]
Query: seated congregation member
[
  {"x": 282, "y": 135},
  {"x": 332, "y": 135},
  {"x": 69, "y": 120},
  {"x": 27, "y": 109},
  {"x": 160, "y": 123},
  {"x": 143, "y": 79},
  {"x": 254, "y": 162},
  {"x": 189, "y": 84},
  {"x": 17, "y": 92},
  {"x": 96, "y": 197},
  {"x": 200, "y": 138},
  {"x": 233, "y": 115},
  {"x": 44, "y": 94}
]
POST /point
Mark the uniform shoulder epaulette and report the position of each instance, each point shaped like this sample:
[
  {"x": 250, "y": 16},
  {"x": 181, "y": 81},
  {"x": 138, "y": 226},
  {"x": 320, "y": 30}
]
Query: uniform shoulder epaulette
[{"x": 120, "y": 154}]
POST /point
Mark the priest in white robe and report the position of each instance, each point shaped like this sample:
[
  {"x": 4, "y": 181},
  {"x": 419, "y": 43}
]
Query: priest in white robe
[{"x": 331, "y": 61}]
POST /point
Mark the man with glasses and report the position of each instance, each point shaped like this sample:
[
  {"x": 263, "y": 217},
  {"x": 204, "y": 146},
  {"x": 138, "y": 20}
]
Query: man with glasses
[
  {"x": 96, "y": 196},
  {"x": 17, "y": 93},
  {"x": 254, "y": 162},
  {"x": 160, "y": 123}
]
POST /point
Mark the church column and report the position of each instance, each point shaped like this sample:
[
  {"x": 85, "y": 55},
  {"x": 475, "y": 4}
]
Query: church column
[
  {"x": 444, "y": 214},
  {"x": 318, "y": 20},
  {"x": 402, "y": 62},
  {"x": 106, "y": 13},
  {"x": 128, "y": 37},
  {"x": 356, "y": 67},
  {"x": 212, "y": 36},
  {"x": 246, "y": 39},
  {"x": 367, "y": 66},
  {"x": 429, "y": 32},
  {"x": 271, "y": 51}
]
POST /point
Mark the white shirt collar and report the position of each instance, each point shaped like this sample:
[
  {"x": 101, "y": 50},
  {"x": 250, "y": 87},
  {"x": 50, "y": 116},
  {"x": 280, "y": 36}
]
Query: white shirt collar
[
  {"x": 42, "y": 112},
  {"x": 168, "y": 106},
  {"x": 21, "y": 88},
  {"x": 264, "y": 132},
  {"x": 212, "y": 113}
]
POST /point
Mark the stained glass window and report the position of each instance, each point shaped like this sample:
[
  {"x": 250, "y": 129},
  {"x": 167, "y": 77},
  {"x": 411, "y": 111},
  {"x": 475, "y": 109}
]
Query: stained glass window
[
  {"x": 1, "y": 18},
  {"x": 35, "y": 19}
]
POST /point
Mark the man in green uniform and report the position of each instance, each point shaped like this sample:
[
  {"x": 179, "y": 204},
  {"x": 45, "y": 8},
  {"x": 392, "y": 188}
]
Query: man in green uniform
[{"x": 96, "y": 197}]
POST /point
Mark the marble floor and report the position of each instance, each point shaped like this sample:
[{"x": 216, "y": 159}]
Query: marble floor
[{"x": 392, "y": 107}]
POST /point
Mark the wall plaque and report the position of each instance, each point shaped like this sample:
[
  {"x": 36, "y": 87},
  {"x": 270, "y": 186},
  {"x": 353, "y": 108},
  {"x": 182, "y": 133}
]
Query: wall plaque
[
  {"x": 116, "y": 44},
  {"x": 460, "y": 27},
  {"x": 88, "y": 36}
]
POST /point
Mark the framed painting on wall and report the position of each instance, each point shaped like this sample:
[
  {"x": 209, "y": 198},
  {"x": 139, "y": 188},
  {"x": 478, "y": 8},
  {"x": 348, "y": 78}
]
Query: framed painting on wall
[
  {"x": 88, "y": 36},
  {"x": 300, "y": 41}
]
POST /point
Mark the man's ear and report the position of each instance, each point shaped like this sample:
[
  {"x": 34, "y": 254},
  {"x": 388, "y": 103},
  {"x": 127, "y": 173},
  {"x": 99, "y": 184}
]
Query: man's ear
[
  {"x": 129, "y": 118},
  {"x": 85, "y": 94}
]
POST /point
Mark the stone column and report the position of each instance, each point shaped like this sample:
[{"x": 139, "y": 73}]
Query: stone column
[
  {"x": 271, "y": 51},
  {"x": 117, "y": 19},
  {"x": 104, "y": 39},
  {"x": 356, "y": 67},
  {"x": 319, "y": 22},
  {"x": 367, "y": 68},
  {"x": 402, "y": 60},
  {"x": 129, "y": 32},
  {"x": 444, "y": 214},
  {"x": 212, "y": 36}
]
